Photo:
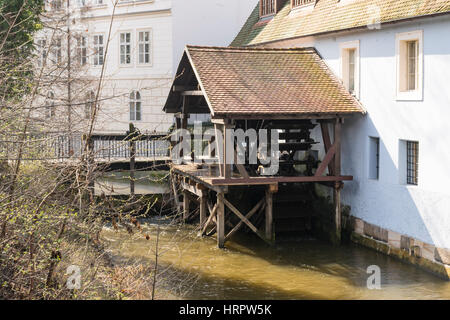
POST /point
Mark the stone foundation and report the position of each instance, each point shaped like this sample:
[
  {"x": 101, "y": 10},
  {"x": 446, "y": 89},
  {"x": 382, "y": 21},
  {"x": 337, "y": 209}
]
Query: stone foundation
[{"x": 413, "y": 251}]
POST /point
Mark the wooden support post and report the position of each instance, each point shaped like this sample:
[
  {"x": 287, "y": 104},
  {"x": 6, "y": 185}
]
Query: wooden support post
[
  {"x": 203, "y": 199},
  {"x": 228, "y": 147},
  {"x": 220, "y": 148},
  {"x": 220, "y": 220},
  {"x": 269, "y": 214},
  {"x": 338, "y": 185},
  {"x": 186, "y": 205}
]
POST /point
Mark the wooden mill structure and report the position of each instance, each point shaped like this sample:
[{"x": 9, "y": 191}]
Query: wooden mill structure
[{"x": 289, "y": 91}]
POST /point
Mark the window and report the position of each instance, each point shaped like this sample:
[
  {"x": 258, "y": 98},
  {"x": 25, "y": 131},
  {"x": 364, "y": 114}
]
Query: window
[
  {"x": 55, "y": 5},
  {"x": 412, "y": 165},
  {"x": 42, "y": 48},
  {"x": 350, "y": 66},
  {"x": 374, "y": 158},
  {"x": 267, "y": 7},
  {"x": 50, "y": 105},
  {"x": 300, "y": 3},
  {"x": 99, "y": 50},
  {"x": 82, "y": 50},
  {"x": 89, "y": 105},
  {"x": 56, "y": 51},
  {"x": 410, "y": 66},
  {"x": 144, "y": 47},
  {"x": 125, "y": 48},
  {"x": 135, "y": 106}
]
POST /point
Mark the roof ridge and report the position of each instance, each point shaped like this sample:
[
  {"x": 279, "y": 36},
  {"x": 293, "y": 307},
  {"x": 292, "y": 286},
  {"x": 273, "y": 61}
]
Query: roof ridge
[{"x": 253, "y": 49}]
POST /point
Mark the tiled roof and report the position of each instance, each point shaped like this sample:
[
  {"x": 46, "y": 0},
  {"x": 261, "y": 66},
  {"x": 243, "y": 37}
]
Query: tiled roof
[
  {"x": 333, "y": 15},
  {"x": 252, "y": 81}
]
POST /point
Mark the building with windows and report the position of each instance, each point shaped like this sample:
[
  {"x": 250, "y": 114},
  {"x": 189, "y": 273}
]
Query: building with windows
[
  {"x": 133, "y": 46},
  {"x": 393, "y": 57}
]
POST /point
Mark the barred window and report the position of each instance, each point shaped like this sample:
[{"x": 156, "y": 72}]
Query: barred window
[
  {"x": 267, "y": 7},
  {"x": 299, "y": 3},
  {"x": 412, "y": 167}
]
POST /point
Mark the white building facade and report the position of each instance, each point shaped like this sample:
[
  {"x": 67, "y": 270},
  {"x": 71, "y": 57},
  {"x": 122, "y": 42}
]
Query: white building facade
[{"x": 146, "y": 37}]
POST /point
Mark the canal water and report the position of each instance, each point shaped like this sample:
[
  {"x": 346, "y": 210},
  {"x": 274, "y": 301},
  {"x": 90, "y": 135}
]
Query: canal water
[{"x": 249, "y": 269}]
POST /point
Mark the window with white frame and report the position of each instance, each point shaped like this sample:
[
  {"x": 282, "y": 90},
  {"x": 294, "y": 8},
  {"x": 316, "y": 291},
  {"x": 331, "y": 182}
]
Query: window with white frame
[
  {"x": 144, "y": 47},
  {"x": 350, "y": 66},
  {"x": 56, "y": 50},
  {"x": 99, "y": 50},
  {"x": 409, "y": 49},
  {"x": 82, "y": 50},
  {"x": 125, "y": 48},
  {"x": 135, "y": 106},
  {"x": 374, "y": 158},
  {"x": 42, "y": 51}
]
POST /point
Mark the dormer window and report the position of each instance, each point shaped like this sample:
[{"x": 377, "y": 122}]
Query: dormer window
[
  {"x": 301, "y": 3},
  {"x": 267, "y": 7}
]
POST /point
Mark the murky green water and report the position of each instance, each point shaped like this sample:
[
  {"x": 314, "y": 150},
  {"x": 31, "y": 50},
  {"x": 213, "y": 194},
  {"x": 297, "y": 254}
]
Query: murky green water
[{"x": 249, "y": 269}]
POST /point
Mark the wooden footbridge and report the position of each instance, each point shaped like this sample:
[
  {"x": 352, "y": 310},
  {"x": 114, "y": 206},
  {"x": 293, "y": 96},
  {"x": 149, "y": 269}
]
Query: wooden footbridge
[{"x": 290, "y": 91}]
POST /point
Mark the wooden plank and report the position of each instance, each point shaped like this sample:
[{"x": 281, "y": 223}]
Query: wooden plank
[
  {"x": 221, "y": 220},
  {"x": 274, "y": 180},
  {"x": 326, "y": 161},
  {"x": 250, "y": 214},
  {"x": 192, "y": 93}
]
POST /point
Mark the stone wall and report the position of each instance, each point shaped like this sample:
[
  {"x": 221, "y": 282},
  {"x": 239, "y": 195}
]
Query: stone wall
[{"x": 413, "y": 251}]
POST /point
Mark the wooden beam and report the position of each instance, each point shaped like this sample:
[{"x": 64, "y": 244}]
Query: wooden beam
[
  {"x": 220, "y": 149},
  {"x": 326, "y": 161},
  {"x": 250, "y": 214},
  {"x": 183, "y": 88},
  {"x": 212, "y": 214},
  {"x": 192, "y": 93},
  {"x": 203, "y": 200},
  {"x": 327, "y": 144},
  {"x": 338, "y": 186},
  {"x": 228, "y": 146},
  {"x": 243, "y": 218},
  {"x": 273, "y": 180},
  {"x": 269, "y": 214},
  {"x": 186, "y": 205},
  {"x": 221, "y": 220}
]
